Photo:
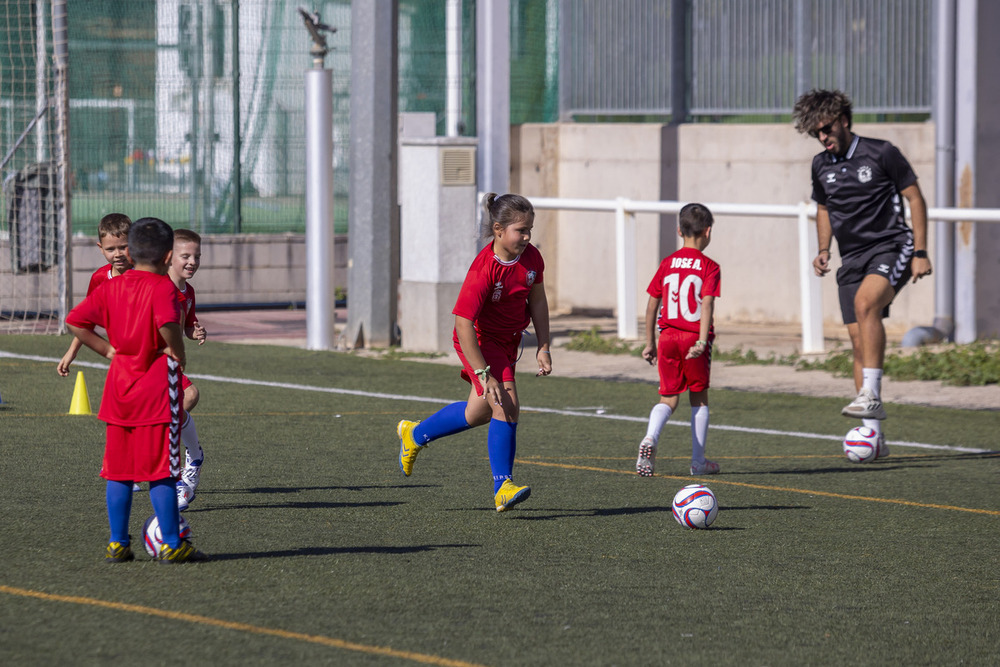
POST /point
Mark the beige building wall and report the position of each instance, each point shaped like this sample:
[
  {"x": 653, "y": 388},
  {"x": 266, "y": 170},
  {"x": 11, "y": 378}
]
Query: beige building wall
[{"x": 759, "y": 164}]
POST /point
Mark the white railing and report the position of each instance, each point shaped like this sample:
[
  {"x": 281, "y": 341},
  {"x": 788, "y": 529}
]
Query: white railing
[{"x": 804, "y": 212}]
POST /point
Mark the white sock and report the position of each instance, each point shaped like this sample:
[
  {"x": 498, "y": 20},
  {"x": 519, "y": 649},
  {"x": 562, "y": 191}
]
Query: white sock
[
  {"x": 658, "y": 418},
  {"x": 872, "y": 379},
  {"x": 189, "y": 436},
  {"x": 699, "y": 432},
  {"x": 874, "y": 424}
]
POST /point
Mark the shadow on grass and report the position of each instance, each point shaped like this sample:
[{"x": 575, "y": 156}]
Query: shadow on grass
[
  {"x": 300, "y": 505},
  {"x": 299, "y": 489},
  {"x": 567, "y": 513},
  {"x": 330, "y": 551},
  {"x": 769, "y": 508}
]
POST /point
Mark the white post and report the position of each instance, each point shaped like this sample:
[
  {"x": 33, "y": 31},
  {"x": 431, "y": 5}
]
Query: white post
[
  {"x": 453, "y": 56},
  {"x": 41, "y": 81},
  {"x": 625, "y": 248},
  {"x": 809, "y": 287},
  {"x": 320, "y": 302}
]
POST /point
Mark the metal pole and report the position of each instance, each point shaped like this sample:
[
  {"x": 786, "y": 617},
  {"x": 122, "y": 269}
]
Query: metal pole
[
  {"x": 60, "y": 49},
  {"x": 41, "y": 80},
  {"x": 678, "y": 61},
  {"x": 453, "y": 54},
  {"x": 237, "y": 174},
  {"x": 803, "y": 46},
  {"x": 966, "y": 71},
  {"x": 944, "y": 185},
  {"x": 493, "y": 94},
  {"x": 320, "y": 301}
]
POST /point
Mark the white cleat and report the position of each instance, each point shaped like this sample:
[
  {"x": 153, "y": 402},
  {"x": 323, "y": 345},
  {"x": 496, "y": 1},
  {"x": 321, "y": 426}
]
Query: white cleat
[
  {"x": 866, "y": 406},
  {"x": 706, "y": 467},
  {"x": 646, "y": 462}
]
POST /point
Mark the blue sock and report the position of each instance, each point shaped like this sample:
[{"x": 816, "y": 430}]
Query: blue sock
[
  {"x": 447, "y": 421},
  {"x": 501, "y": 443},
  {"x": 119, "y": 499},
  {"x": 163, "y": 495}
]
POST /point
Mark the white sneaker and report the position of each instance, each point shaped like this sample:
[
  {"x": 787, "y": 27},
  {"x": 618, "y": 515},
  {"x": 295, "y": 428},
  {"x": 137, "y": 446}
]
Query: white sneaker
[
  {"x": 185, "y": 494},
  {"x": 192, "y": 473},
  {"x": 647, "y": 457},
  {"x": 706, "y": 467},
  {"x": 865, "y": 406},
  {"x": 883, "y": 449}
]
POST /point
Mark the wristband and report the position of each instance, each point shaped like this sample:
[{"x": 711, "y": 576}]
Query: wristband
[
  {"x": 826, "y": 250},
  {"x": 546, "y": 352},
  {"x": 701, "y": 342},
  {"x": 920, "y": 254},
  {"x": 482, "y": 374}
]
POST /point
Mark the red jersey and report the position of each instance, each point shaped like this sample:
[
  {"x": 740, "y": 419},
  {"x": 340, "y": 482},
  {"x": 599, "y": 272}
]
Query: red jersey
[
  {"x": 683, "y": 279},
  {"x": 186, "y": 297},
  {"x": 132, "y": 309},
  {"x": 495, "y": 293},
  {"x": 100, "y": 276}
]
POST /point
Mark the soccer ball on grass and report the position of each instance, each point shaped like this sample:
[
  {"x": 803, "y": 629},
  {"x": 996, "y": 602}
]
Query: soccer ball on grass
[
  {"x": 861, "y": 444},
  {"x": 152, "y": 539},
  {"x": 695, "y": 506}
]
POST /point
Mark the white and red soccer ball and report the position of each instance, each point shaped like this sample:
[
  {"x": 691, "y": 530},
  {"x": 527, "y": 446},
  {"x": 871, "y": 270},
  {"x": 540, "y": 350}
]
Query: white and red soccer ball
[
  {"x": 152, "y": 539},
  {"x": 861, "y": 444},
  {"x": 695, "y": 506}
]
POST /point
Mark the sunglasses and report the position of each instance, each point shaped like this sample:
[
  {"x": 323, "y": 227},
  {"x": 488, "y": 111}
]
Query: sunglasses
[{"x": 826, "y": 129}]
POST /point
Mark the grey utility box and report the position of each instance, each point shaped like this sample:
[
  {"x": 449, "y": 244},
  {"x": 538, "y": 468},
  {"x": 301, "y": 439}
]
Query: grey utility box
[{"x": 438, "y": 236}]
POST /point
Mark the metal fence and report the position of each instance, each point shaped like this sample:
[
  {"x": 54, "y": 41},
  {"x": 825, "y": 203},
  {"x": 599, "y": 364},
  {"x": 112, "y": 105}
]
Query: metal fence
[{"x": 742, "y": 57}]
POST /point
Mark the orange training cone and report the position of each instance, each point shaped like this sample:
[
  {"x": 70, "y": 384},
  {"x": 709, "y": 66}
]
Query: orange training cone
[{"x": 81, "y": 401}]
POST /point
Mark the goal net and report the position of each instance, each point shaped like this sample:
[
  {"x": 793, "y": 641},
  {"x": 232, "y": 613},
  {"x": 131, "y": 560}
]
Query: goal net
[{"x": 34, "y": 198}]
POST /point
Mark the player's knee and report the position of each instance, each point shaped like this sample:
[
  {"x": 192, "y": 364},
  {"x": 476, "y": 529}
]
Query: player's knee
[{"x": 191, "y": 397}]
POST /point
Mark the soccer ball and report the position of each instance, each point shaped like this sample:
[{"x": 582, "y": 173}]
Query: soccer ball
[
  {"x": 152, "y": 539},
  {"x": 861, "y": 444},
  {"x": 695, "y": 506}
]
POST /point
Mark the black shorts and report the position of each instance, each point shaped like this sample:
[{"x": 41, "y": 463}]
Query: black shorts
[{"x": 891, "y": 261}]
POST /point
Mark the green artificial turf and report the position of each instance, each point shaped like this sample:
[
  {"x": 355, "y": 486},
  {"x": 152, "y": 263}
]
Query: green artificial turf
[{"x": 324, "y": 553}]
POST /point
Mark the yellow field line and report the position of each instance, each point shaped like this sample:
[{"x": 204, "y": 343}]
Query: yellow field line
[
  {"x": 241, "y": 627},
  {"x": 765, "y": 487}
]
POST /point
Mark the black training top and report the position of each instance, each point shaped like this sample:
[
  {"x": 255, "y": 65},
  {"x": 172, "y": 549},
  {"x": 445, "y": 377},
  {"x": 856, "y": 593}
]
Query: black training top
[{"x": 861, "y": 192}]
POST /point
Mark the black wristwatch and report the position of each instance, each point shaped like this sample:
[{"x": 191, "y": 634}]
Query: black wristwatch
[{"x": 922, "y": 254}]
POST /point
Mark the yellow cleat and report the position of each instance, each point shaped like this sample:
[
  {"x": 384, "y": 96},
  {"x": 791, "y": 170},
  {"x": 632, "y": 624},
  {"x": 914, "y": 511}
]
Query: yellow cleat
[
  {"x": 510, "y": 494},
  {"x": 185, "y": 553},
  {"x": 118, "y": 553},
  {"x": 408, "y": 447}
]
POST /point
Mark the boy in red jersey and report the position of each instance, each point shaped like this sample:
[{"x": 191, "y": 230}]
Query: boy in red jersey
[
  {"x": 185, "y": 263},
  {"x": 501, "y": 294},
  {"x": 112, "y": 239},
  {"x": 141, "y": 401},
  {"x": 686, "y": 284}
]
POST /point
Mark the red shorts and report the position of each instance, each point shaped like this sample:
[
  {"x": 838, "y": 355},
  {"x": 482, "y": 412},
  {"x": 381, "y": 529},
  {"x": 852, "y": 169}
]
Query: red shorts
[
  {"x": 137, "y": 453},
  {"x": 501, "y": 357},
  {"x": 678, "y": 374}
]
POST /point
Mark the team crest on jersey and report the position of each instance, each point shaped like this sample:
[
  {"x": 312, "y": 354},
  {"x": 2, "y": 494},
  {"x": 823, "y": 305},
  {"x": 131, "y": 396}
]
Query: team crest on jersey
[
  {"x": 531, "y": 278},
  {"x": 497, "y": 291},
  {"x": 864, "y": 174}
]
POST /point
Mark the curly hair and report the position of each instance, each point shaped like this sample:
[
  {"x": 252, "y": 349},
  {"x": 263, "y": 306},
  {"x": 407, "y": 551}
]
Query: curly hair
[{"x": 818, "y": 107}]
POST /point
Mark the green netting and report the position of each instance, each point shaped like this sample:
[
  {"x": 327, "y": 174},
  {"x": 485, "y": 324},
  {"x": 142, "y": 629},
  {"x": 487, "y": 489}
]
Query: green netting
[{"x": 170, "y": 117}]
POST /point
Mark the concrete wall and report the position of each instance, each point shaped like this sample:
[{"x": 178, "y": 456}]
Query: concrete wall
[{"x": 708, "y": 163}]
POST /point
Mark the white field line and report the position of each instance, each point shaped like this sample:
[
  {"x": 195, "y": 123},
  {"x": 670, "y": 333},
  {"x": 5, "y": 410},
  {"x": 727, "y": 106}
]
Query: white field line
[{"x": 553, "y": 411}]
